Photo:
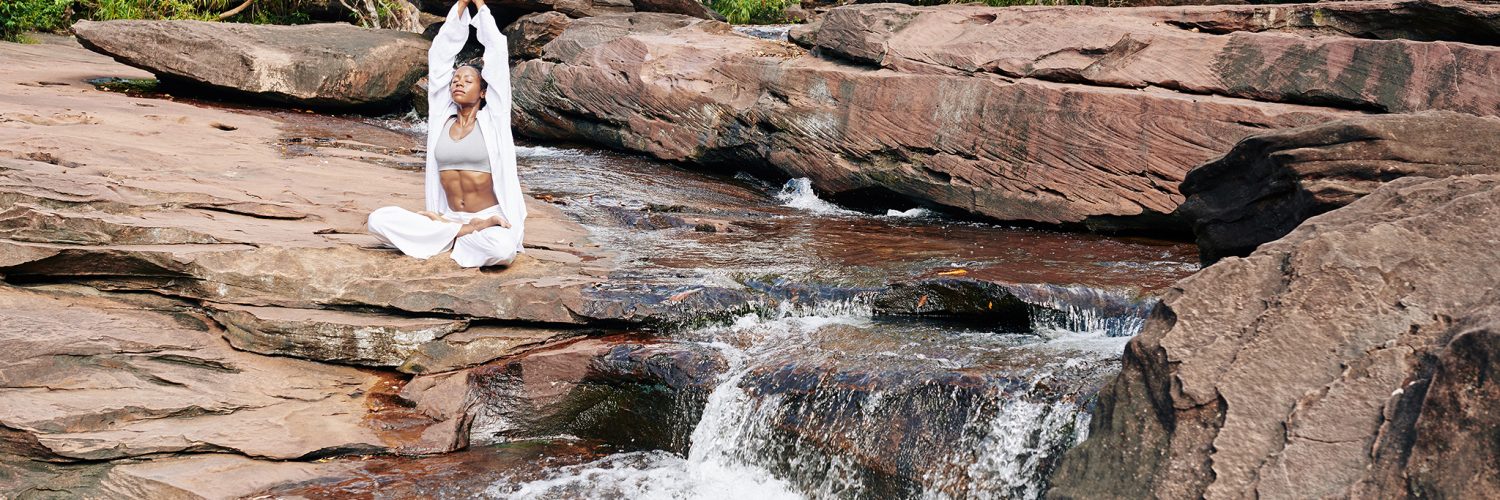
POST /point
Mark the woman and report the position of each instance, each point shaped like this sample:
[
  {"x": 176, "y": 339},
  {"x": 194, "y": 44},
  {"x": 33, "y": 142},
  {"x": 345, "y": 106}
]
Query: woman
[{"x": 474, "y": 203}]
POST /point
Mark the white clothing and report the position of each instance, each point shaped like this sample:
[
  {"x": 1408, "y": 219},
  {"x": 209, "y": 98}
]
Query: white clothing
[
  {"x": 421, "y": 237},
  {"x": 468, "y": 153},
  {"x": 418, "y": 236}
]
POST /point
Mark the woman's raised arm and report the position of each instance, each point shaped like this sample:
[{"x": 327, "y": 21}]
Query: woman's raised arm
[
  {"x": 446, "y": 45},
  {"x": 496, "y": 59}
]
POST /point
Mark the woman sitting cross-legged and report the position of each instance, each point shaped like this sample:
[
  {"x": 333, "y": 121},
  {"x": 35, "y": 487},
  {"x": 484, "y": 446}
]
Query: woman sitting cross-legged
[{"x": 474, "y": 204}]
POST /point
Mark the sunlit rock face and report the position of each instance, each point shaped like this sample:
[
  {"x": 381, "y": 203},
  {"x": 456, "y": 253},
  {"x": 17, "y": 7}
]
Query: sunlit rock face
[
  {"x": 1304, "y": 369},
  {"x": 333, "y": 65}
]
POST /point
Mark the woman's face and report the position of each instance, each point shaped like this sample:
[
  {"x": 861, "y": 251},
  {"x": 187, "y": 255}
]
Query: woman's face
[{"x": 465, "y": 86}]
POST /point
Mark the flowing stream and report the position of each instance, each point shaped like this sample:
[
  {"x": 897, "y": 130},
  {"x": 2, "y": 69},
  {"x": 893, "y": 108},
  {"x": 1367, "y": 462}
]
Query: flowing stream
[{"x": 824, "y": 396}]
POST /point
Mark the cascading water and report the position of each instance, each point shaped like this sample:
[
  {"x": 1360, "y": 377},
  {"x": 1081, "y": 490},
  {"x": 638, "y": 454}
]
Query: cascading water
[
  {"x": 823, "y": 398},
  {"x": 843, "y": 406}
]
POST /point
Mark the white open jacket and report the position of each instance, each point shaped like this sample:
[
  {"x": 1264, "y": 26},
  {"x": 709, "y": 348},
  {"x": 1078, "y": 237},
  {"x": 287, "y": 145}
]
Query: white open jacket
[{"x": 494, "y": 116}]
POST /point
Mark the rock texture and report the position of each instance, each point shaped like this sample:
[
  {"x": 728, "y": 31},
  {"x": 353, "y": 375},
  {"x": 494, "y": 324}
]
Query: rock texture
[
  {"x": 320, "y": 65},
  {"x": 93, "y": 377},
  {"x": 1299, "y": 370},
  {"x": 1018, "y": 149},
  {"x": 130, "y": 256},
  {"x": 588, "y": 8},
  {"x": 528, "y": 34},
  {"x": 1139, "y": 48},
  {"x": 623, "y": 391},
  {"x": 1269, "y": 183}
]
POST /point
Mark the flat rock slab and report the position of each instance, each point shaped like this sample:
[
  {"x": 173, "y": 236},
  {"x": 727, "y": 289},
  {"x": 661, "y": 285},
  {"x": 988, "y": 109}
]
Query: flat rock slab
[
  {"x": 118, "y": 196},
  {"x": 335, "y": 336},
  {"x": 91, "y": 377},
  {"x": 320, "y": 65},
  {"x": 1163, "y": 47}
]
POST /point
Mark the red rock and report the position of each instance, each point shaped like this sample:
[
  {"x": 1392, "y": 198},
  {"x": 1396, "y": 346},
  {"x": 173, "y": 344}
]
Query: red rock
[
  {"x": 1016, "y": 150},
  {"x": 1269, "y": 183},
  {"x": 1282, "y": 374},
  {"x": 325, "y": 65},
  {"x": 1137, "y": 48}
]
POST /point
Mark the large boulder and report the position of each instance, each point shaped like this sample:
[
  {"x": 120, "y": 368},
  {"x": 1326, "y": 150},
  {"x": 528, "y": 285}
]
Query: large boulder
[
  {"x": 1269, "y": 183},
  {"x": 1307, "y": 368},
  {"x": 1007, "y": 149},
  {"x": 1140, "y": 48},
  {"x": 528, "y": 34},
  {"x": 318, "y": 65}
]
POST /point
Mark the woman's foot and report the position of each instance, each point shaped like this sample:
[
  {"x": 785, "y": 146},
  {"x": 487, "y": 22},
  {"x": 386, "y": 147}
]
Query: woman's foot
[{"x": 482, "y": 224}]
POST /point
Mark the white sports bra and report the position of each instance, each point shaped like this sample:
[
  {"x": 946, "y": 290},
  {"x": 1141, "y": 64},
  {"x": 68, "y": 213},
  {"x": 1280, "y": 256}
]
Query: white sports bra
[{"x": 468, "y": 153}]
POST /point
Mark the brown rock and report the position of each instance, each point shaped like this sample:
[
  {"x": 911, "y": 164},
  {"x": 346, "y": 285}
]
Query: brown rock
[
  {"x": 1016, "y": 150},
  {"x": 91, "y": 377},
  {"x": 1269, "y": 183},
  {"x": 528, "y": 34},
  {"x": 1278, "y": 374},
  {"x": 588, "y": 8},
  {"x": 1139, "y": 48},
  {"x": 1453, "y": 450},
  {"x": 479, "y": 345},
  {"x": 640, "y": 395},
  {"x": 1426, "y": 21},
  {"x": 322, "y": 65},
  {"x": 333, "y": 336}
]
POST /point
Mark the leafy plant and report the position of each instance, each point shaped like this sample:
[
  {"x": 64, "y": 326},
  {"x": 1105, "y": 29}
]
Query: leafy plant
[
  {"x": 20, "y": 16},
  {"x": 752, "y": 11}
]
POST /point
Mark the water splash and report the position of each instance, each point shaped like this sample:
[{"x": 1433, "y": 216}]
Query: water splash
[
  {"x": 798, "y": 193},
  {"x": 915, "y": 213},
  {"x": 818, "y": 404}
]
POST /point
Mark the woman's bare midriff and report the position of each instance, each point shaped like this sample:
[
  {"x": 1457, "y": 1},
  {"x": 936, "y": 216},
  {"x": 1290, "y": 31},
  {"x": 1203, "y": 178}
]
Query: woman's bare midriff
[{"x": 468, "y": 191}]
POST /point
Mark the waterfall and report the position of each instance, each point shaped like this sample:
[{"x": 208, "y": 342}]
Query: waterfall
[{"x": 812, "y": 407}]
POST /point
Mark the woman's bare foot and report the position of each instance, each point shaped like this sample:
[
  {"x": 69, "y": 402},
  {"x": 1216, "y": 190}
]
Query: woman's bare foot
[
  {"x": 482, "y": 224},
  {"x": 431, "y": 215}
]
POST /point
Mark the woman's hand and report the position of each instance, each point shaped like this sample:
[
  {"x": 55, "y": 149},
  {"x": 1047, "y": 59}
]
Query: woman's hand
[
  {"x": 478, "y": 4},
  {"x": 425, "y": 213}
]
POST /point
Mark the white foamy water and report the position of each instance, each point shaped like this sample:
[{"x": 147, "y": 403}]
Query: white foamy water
[
  {"x": 798, "y": 193},
  {"x": 740, "y": 449},
  {"x": 914, "y": 213}
]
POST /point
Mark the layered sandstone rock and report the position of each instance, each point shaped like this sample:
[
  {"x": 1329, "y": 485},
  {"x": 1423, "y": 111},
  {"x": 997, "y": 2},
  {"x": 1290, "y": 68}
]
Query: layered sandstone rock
[
  {"x": 320, "y": 65},
  {"x": 1303, "y": 369},
  {"x": 91, "y": 376},
  {"x": 1139, "y": 48},
  {"x": 1268, "y": 183},
  {"x": 1007, "y": 149}
]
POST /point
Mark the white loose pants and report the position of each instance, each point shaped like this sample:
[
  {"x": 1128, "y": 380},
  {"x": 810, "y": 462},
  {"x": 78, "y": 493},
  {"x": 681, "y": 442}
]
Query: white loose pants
[{"x": 418, "y": 236}]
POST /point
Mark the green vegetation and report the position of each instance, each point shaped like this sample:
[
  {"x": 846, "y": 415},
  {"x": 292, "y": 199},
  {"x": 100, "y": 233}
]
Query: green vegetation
[
  {"x": 20, "y": 16},
  {"x": 752, "y": 11}
]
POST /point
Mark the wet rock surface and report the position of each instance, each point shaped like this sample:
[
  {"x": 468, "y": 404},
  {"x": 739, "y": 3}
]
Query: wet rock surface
[
  {"x": 1285, "y": 373},
  {"x": 1269, "y": 183},
  {"x": 332, "y": 65},
  {"x": 617, "y": 390}
]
